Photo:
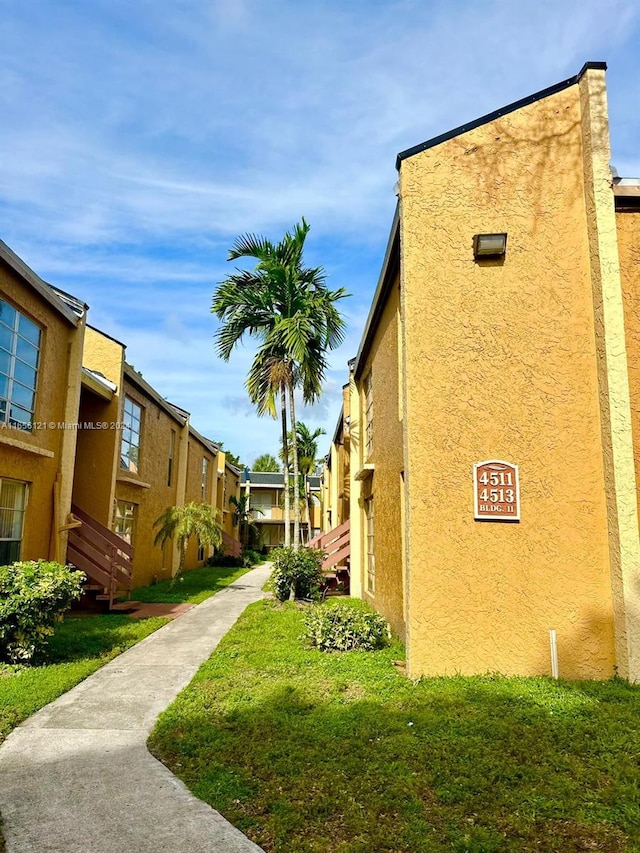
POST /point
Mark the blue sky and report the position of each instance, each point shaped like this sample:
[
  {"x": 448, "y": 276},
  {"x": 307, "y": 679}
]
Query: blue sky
[{"x": 140, "y": 137}]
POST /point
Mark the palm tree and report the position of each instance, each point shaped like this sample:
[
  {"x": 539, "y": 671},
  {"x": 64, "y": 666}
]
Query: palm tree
[
  {"x": 307, "y": 460},
  {"x": 266, "y": 462},
  {"x": 243, "y": 517},
  {"x": 289, "y": 309},
  {"x": 183, "y": 522}
]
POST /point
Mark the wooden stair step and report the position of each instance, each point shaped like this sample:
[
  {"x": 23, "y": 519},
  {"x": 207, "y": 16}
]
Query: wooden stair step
[
  {"x": 125, "y": 605},
  {"x": 92, "y": 587}
]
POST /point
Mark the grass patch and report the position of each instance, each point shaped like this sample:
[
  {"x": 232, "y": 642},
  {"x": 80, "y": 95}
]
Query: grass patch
[
  {"x": 192, "y": 587},
  {"x": 309, "y": 752},
  {"x": 79, "y": 646}
]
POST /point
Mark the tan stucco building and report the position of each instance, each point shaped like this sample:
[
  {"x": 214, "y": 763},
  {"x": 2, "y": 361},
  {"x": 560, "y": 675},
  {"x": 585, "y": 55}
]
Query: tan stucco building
[
  {"x": 265, "y": 498},
  {"x": 84, "y": 438},
  {"x": 527, "y": 355}
]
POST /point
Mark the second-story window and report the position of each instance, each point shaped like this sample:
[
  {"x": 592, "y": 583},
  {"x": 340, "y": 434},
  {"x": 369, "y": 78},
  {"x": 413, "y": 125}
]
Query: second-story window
[
  {"x": 130, "y": 450},
  {"x": 19, "y": 360},
  {"x": 172, "y": 450},
  {"x": 368, "y": 415},
  {"x": 205, "y": 478}
]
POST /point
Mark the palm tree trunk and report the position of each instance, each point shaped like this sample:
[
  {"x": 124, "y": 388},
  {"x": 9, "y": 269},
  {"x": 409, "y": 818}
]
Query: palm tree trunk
[
  {"x": 294, "y": 453},
  {"x": 285, "y": 466},
  {"x": 307, "y": 503}
]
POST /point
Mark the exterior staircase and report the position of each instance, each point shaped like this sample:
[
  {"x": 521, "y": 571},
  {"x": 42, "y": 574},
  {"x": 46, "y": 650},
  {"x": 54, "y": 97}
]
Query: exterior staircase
[
  {"x": 337, "y": 547},
  {"x": 231, "y": 546},
  {"x": 104, "y": 557}
]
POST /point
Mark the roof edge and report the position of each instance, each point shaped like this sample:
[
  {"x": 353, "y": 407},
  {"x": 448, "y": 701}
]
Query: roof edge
[
  {"x": 38, "y": 284},
  {"x": 502, "y": 111},
  {"x": 380, "y": 293},
  {"x": 133, "y": 376}
]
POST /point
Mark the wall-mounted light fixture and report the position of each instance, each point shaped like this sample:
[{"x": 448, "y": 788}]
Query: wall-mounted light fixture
[{"x": 489, "y": 245}]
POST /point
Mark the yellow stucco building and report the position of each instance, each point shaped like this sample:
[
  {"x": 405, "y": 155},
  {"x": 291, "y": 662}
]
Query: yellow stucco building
[
  {"x": 90, "y": 453},
  {"x": 505, "y": 330},
  {"x": 264, "y": 491}
]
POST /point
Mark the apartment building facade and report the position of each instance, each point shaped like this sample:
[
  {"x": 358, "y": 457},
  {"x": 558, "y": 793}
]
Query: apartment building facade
[
  {"x": 494, "y": 425},
  {"x": 88, "y": 448}
]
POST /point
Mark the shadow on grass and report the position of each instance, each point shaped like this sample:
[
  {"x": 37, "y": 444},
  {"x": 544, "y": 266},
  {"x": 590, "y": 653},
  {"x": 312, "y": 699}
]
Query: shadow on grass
[
  {"x": 81, "y": 637},
  {"x": 462, "y": 764}
]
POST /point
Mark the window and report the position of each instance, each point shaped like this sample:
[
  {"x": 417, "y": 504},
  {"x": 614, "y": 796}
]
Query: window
[
  {"x": 125, "y": 516},
  {"x": 200, "y": 552},
  {"x": 13, "y": 502},
  {"x": 368, "y": 414},
  {"x": 19, "y": 358},
  {"x": 371, "y": 560},
  {"x": 205, "y": 478},
  {"x": 130, "y": 450},
  {"x": 172, "y": 450}
]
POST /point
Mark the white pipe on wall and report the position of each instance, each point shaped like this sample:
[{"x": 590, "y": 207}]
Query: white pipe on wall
[{"x": 553, "y": 644}]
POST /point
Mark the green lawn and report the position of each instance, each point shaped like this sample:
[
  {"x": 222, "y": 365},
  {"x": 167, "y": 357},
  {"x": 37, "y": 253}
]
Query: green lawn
[
  {"x": 306, "y": 751},
  {"x": 191, "y": 587},
  {"x": 80, "y": 646}
]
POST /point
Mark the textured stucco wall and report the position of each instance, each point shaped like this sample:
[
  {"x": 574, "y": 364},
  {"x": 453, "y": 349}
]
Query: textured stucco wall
[
  {"x": 387, "y": 458},
  {"x": 355, "y": 491},
  {"x": 98, "y": 451},
  {"x": 148, "y": 490},
  {"x": 613, "y": 375},
  {"x": 501, "y": 363},
  {"x": 628, "y": 228},
  {"x": 37, "y": 457},
  {"x": 231, "y": 489},
  {"x": 196, "y": 453}
]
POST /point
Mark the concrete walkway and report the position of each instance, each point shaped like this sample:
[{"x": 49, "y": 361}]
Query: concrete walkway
[{"x": 77, "y": 777}]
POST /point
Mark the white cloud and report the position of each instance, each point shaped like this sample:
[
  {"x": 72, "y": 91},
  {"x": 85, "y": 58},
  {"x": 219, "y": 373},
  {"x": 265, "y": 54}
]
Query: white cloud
[{"x": 140, "y": 138}]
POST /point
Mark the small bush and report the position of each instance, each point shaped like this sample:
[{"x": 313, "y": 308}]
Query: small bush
[
  {"x": 33, "y": 596},
  {"x": 251, "y": 558},
  {"x": 341, "y": 628},
  {"x": 301, "y": 569},
  {"x": 225, "y": 560}
]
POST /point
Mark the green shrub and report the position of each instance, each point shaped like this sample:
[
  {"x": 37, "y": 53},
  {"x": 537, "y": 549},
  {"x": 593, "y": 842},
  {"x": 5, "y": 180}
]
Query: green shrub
[
  {"x": 301, "y": 569},
  {"x": 33, "y": 596},
  {"x": 340, "y": 628},
  {"x": 219, "y": 558},
  {"x": 251, "y": 558}
]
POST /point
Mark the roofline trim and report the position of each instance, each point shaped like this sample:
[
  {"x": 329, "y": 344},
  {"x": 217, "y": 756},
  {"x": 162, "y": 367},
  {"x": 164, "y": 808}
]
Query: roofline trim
[
  {"x": 382, "y": 289},
  {"x": 105, "y": 335},
  {"x": 502, "y": 111},
  {"x": 133, "y": 376},
  {"x": 38, "y": 284}
]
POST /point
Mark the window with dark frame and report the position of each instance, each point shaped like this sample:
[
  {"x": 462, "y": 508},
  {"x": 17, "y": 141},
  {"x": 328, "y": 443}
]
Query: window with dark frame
[
  {"x": 13, "y": 503},
  {"x": 172, "y": 448},
  {"x": 20, "y": 342},
  {"x": 130, "y": 447},
  {"x": 205, "y": 478},
  {"x": 125, "y": 520},
  {"x": 371, "y": 560},
  {"x": 368, "y": 414}
]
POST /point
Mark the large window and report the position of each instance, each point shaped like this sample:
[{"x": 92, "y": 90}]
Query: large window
[
  {"x": 205, "y": 478},
  {"x": 13, "y": 502},
  {"x": 19, "y": 358},
  {"x": 371, "y": 560},
  {"x": 130, "y": 450},
  {"x": 368, "y": 414},
  {"x": 125, "y": 518}
]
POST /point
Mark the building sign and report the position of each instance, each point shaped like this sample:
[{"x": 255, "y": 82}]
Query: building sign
[{"x": 496, "y": 491}]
